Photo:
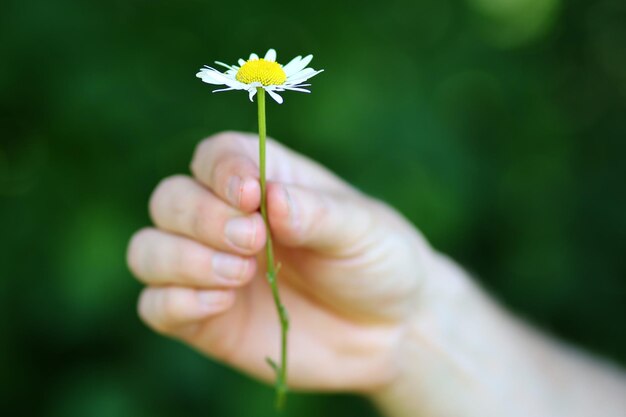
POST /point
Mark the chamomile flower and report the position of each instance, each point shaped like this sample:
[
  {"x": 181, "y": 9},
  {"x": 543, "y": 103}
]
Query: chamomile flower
[{"x": 263, "y": 73}]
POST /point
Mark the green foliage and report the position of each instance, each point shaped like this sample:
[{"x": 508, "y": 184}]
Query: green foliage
[{"x": 499, "y": 131}]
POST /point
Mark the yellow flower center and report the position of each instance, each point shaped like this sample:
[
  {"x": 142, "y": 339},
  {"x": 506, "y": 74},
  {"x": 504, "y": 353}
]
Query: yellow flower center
[{"x": 261, "y": 71}]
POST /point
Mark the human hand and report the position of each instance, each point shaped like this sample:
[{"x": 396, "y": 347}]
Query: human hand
[{"x": 351, "y": 267}]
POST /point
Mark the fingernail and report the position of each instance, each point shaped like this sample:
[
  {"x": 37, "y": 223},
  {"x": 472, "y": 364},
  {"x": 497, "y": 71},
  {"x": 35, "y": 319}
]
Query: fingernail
[
  {"x": 233, "y": 191},
  {"x": 241, "y": 232},
  {"x": 229, "y": 266}
]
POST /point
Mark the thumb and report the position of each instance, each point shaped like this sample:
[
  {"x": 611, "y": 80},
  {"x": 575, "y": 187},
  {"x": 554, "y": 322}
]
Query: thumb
[{"x": 320, "y": 220}]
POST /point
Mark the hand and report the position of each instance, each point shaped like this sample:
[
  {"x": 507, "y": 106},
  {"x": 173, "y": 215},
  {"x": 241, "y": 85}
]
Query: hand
[
  {"x": 350, "y": 269},
  {"x": 373, "y": 309}
]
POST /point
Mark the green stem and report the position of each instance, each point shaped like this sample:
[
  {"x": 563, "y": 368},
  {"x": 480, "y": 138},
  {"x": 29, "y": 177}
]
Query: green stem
[{"x": 272, "y": 270}]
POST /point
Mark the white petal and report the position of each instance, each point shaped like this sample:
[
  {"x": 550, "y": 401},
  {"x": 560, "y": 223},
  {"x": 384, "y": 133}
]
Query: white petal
[
  {"x": 227, "y": 81},
  {"x": 274, "y": 88},
  {"x": 209, "y": 69},
  {"x": 300, "y": 73},
  {"x": 296, "y": 66},
  {"x": 302, "y": 90},
  {"x": 275, "y": 96},
  {"x": 292, "y": 63},
  {"x": 253, "y": 56},
  {"x": 251, "y": 93},
  {"x": 223, "y": 89},
  {"x": 270, "y": 55},
  {"x": 241, "y": 62},
  {"x": 214, "y": 77},
  {"x": 236, "y": 85},
  {"x": 210, "y": 77},
  {"x": 224, "y": 65},
  {"x": 289, "y": 87},
  {"x": 303, "y": 76}
]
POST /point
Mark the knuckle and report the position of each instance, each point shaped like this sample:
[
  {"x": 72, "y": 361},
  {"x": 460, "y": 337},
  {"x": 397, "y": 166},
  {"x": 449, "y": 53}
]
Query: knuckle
[
  {"x": 173, "y": 306},
  {"x": 178, "y": 261},
  {"x": 318, "y": 215},
  {"x": 225, "y": 136},
  {"x": 134, "y": 250},
  {"x": 322, "y": 210},
  {"x": 219, "y": 172},
  {"x": 173, "y": 181},
  {"x": 237, "y": 140},
  {"x": 163, "y": 191},
  {"x": 201, "y": 221},
  {"x": 208, "y": 145},
  {"x": 196, "y": 159},
  {"x": 191, "y": 263},
  {"x": 143, "y": 307}
]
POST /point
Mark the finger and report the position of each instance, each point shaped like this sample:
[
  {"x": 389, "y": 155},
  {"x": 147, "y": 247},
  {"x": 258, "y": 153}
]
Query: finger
[
  {"x": 181, "y": 205},
  {"x": 301, "y": 217},
  {"x": 227, "y": 163},
  {"x": 160, "y": 258},
  {"x": 170, "y": 309},
  {"x": 234, "y": 178}
]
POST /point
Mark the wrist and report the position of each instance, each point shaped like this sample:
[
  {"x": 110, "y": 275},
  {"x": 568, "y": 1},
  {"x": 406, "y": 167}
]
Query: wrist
[
  {"x": 434, "y": 358},
  {"x": 461, "y": 354}
]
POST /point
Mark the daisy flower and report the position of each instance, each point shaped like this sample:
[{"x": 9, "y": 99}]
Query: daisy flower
[
  {"x": 256, "y": 76},
  {"x": 263, "y": 73}
]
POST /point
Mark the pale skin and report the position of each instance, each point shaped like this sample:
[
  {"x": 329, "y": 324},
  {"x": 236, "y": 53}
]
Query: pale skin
[{"x": 374, "y": 309}]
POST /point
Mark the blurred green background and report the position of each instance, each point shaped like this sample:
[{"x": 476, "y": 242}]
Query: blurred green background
[{"x": 497, "y": 127}]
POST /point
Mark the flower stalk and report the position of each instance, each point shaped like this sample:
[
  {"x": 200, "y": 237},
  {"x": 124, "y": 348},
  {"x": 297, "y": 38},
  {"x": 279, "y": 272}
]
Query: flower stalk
[
  {"x": 272, "y": 269},
  {"x": 257, "y": 76}
]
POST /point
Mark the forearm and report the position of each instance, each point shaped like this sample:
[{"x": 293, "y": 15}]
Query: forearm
[{"x": 463, "y": 355}]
